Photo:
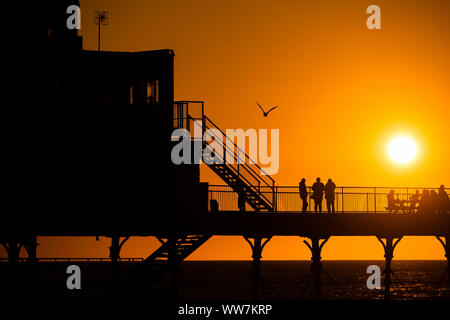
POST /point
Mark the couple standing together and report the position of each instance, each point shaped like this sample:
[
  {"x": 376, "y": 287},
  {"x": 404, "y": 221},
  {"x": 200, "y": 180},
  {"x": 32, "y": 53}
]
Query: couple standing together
[{"x": 318, "y": 189}]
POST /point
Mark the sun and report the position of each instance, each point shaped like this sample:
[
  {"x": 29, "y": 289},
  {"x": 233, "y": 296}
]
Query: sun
[{"x": 402, "y": 149}]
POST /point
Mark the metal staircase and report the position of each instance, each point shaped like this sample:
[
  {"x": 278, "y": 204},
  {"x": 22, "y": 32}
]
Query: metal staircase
[
  {"x": 233, "y": 165},
  {"x": 157, "y": 265},
  {"x": 242, "y": 174},
  {"x": 239, "y": 174}
]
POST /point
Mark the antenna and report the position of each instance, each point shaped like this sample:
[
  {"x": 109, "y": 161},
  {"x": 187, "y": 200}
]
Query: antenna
[{"x": 101, "y": 18}]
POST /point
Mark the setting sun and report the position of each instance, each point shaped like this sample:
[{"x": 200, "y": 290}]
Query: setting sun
[{"x": 402, "y": 150}]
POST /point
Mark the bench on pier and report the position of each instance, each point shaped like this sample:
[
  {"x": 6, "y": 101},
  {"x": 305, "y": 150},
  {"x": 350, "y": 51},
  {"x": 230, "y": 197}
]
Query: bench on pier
[{"x": 402, "y": 206}]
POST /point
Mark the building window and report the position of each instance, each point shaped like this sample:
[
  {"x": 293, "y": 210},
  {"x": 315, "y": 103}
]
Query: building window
[
  {"x": 152, "y": 92},
  {"x": 131, "y": 94}
]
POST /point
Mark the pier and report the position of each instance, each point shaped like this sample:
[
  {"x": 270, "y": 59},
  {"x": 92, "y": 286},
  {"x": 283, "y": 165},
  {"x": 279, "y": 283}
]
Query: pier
[
  {"x": 182, "y": 237},
  {"x": 95, "y": 160}
]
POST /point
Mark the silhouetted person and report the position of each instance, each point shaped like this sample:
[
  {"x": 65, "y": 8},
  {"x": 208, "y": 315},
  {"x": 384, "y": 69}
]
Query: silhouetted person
[
  {"x": 425, "y": 202},
  {"x": 214, "y": 205},
  {"x": 329, "y": 195},
  {"x": 318, "y": 188},
  {"x": 414, "y": 199},
  {"x": 303, "y": 195},
  {"x": 392, "y": 202},
  {"x": 444, "y": 202},
  {"x": 434, "y": 201},
  {"x": 241, "y": 202}
]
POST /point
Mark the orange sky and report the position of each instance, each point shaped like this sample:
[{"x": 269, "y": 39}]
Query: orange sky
[{"x": 343, "y": 92}]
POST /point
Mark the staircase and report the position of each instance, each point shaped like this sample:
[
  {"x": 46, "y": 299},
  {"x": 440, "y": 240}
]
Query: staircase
[
  {"x": 243, "y": 175},
  {"x": 156, "y": 265},
  {"x": 257, "y": 201}
]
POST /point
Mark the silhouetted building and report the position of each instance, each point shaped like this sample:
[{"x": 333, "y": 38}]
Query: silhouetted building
[{"x": 88, "y": 131}]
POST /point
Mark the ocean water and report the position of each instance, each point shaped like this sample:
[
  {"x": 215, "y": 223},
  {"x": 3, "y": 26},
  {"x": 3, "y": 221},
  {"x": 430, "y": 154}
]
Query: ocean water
[
  {"x": 232, "y": 280},
  {"x": 286, "y": 280}
]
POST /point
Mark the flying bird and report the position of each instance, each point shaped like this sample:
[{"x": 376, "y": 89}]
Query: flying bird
[{"x": 264, "y": 112}]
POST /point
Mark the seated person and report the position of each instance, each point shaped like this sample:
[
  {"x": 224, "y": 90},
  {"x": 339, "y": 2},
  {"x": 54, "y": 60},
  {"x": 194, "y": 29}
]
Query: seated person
[
  {"x": 414, "y": 199},
  {"x": 393, "y": 204},
  {"x": 444, "y": 202}
]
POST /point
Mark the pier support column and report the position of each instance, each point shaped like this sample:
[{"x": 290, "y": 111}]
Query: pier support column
[
  {"x": 12, "y": 247},
  {"x": 316, "y": 265},
  {"x": 447, "y": 255},
  {"x": 114, "y": 255},
  {"x": 14, "y": 280},
  {"x": 172, "y": 264},
  {"x": 389, "y": 247},
  {"x": 257, "y": 247}
]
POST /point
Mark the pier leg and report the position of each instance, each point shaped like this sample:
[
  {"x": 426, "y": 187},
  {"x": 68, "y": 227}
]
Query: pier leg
[
  {"x": 257, "y": 247},
  {"x": 389, "y": 247},
  {"x": 114, "y": 255},
  {"x": 13, "y": 280},
  {"x": 172, "y": 263},
  {"x": 12, "y": 248},
  {"x": 447, "y": 255},
  {"x": 316, "y": 266}
]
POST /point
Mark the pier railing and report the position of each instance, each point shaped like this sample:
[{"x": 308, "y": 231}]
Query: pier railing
[{"x": 347, "y": 199}]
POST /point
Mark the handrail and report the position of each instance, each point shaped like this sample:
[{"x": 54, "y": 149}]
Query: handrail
[
  {"x": 75, "y": 259},
  {"x": 246, "y": 167},
  {"x": 347, "y": 199},
  {"x": 237, "y": 147},
  {"x": 188, "y": 116},
  {"x": 244, "y": 171}
]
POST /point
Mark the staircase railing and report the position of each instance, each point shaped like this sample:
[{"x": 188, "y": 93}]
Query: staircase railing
[
  {"x": 242, "y": 167},
  {"x": 245, "y": 168}
]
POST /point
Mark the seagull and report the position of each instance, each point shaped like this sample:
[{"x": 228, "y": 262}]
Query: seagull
[{"x": 265, "y": 113}]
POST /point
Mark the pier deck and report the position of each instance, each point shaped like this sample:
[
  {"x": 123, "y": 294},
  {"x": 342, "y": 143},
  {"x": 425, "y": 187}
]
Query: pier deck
[{"x": 231, "y": 223}]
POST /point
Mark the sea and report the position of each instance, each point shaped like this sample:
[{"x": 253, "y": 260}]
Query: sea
[
  {"x": 233, "y": 280},
  {"x": 284, "y": 290},
  {"x": 288, "y": 280}
]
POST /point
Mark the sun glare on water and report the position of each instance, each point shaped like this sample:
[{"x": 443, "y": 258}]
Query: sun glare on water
[{"x": 402, "y": 150}]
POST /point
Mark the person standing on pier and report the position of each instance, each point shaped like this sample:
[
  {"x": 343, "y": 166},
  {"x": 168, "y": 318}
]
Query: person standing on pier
[
  {"x": 303, "y": 194},
  {"x": 425, "y": 202},
  {"x": 444, "y": 202},
  {"x": 241, "y": 202},
  {"x": 414, "y": 200},
  {"x": 434, "y": 200},
  {"x": 318, "y": 189},
  {"x": 329, "y": 195}
]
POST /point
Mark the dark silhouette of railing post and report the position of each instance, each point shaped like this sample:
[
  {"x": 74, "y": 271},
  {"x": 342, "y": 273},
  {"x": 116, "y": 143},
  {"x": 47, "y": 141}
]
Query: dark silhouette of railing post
[
  {"x": 274, "y": 197},
  {"x": 257, "y": 247},
  {"x": 447, "y": 255},
  {"x": 316, "y": 265},
  {"x": 375, "y": 198},
  {"x": 389, "y": 247},
  {"x": 367, "y": 202}
]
